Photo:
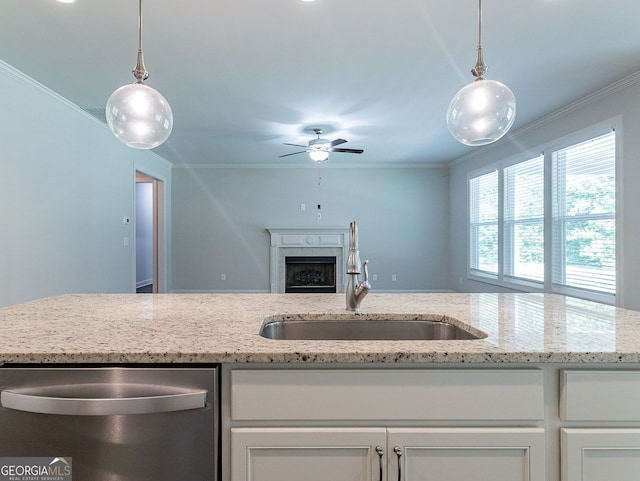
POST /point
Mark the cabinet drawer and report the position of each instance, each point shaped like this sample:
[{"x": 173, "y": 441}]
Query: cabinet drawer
[
  {"x": 374, "y": 394},
  {"x": 600, "y": 396}
]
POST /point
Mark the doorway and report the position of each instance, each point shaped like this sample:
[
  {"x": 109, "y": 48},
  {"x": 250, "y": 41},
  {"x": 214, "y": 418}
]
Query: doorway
[{"x": 149, "y": 234}]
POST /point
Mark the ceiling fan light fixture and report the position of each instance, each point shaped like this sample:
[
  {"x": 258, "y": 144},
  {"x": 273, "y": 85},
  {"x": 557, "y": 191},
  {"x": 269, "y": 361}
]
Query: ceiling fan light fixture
[
  {"x": 319, "y": 155},
  {"x": 319, "y": 149},
  {"x": 138, "y": 115},
  {"x": 483, "y": 111}
]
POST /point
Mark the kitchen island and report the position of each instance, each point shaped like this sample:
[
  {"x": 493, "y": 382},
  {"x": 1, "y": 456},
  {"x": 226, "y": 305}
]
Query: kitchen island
[
  {"x": 549, "y": 394},
  {"x": 223, "y": 328}
]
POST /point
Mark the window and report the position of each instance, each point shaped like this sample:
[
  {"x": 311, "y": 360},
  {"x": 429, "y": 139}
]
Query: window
[
  {"x": 584, "y": 215},
  {"x": 524, "y": 220},
  {"x": 549, "y": 222},
  {"x": 484, "y": 223}
]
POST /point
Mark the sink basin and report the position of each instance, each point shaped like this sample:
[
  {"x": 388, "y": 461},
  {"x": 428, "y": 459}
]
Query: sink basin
[{"x": 366, "y": 330}]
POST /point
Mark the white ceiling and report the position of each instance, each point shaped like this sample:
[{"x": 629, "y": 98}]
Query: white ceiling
[{"x": 244, "y": 76}]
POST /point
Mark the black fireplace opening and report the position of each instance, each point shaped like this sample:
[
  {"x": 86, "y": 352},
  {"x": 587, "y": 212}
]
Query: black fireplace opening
[{"x": 311, "y": 274}]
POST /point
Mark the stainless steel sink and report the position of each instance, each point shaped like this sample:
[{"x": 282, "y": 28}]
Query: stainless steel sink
[{"x": 366, "y": 330}]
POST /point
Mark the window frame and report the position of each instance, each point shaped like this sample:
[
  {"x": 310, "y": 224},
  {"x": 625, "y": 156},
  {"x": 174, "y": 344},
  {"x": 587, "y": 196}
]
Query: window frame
[{"x": 501, "y": 279}]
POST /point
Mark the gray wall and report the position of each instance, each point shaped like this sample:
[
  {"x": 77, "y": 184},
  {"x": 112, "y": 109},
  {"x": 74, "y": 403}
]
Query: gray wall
[
  {"x": 220, "y": 217},
  {"x": 65, "y": 185},
  {"x": 621, "y": 99}
]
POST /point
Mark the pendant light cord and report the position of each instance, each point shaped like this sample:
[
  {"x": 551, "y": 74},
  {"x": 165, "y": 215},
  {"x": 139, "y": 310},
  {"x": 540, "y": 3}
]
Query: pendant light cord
[
  {"x": 479, "y": 24},
  {"x": 140, "y": 25},
  {"x": 480, "y": 68},
  {"x": 139, "y": 71}
]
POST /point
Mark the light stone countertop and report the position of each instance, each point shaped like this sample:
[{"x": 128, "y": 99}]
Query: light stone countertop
[{"x": 212, "y": 328}]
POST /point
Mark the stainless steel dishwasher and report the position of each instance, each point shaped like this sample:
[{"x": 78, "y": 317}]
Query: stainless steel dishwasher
[{"x": 111, "y": 423}]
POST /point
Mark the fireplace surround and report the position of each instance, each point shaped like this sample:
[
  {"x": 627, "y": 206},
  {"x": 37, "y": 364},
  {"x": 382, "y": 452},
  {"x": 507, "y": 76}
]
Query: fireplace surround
[{"x": 320, "y": 242}]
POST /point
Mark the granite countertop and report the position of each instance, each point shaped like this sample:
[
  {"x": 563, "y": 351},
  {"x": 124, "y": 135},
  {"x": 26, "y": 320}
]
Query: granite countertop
[{"x": 211, "y": 328}]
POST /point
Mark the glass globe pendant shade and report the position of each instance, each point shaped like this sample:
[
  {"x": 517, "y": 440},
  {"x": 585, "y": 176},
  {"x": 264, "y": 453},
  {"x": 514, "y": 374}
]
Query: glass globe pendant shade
[
  {"x": 319, "y": 155},
  {"x": 482, "y": 112},
  {"x": 139, "y": 116}
]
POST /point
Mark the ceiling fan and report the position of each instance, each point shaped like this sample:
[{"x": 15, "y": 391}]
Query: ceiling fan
[{"x": 319, "y": 149}]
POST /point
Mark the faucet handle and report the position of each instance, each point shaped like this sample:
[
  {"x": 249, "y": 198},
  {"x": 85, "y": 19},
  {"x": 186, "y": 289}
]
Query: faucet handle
[{"x": 365, "y": 279}]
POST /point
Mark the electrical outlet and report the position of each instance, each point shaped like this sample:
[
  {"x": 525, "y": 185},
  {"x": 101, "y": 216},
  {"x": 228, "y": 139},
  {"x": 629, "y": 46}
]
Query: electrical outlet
[
  {"x": 303, "y": 207},
  {"x": 374, "y": 277},
  {"x": 223, "y": 277},
  {"x": 319, "y": 215},
  {"x": 393, "y": 277}
]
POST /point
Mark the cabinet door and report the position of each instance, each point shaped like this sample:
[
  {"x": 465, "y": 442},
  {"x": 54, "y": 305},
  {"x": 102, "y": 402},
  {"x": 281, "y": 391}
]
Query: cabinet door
[
  {"x": 466, "y": 454},
  {"x": 600, "y": 454},
  {"x": 307, "y": 454}
]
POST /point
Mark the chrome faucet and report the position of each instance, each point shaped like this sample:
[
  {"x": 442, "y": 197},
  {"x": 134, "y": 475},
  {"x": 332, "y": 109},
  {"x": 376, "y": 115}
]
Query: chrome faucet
[{"x": 355, "y": 291}]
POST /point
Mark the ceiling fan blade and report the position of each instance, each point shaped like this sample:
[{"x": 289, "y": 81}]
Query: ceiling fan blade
[
  {"x": 298, "y": 145},
  {"x": 347, "y": 151},
  {"x": 293, "y": 153},
  {"x": 337, "y": 142}
]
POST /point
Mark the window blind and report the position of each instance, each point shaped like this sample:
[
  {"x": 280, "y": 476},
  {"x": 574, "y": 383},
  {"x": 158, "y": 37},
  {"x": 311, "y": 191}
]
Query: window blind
[
  {"x": 524, "y": 220},
  {"x": 483, "y": 210},
  {"x": 583, "y": 215}
]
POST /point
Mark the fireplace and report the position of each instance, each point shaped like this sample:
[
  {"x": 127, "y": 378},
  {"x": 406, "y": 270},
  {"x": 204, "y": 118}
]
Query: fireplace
[
  {"x": 310, "y": 274},
  {"x": 310, "y": 243}
]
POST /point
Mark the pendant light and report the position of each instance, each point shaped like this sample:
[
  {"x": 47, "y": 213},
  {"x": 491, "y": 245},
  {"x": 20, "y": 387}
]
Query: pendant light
[
  {"x": 483, "y": 111},
  {"x": 138, "y": 115}
]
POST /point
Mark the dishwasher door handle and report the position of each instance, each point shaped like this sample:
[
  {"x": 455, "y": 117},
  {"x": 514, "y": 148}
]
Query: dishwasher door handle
[{"x": 33, "y": 402}]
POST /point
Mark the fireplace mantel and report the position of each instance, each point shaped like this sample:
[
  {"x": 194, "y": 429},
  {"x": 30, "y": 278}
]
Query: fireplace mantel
[{"x": 307, "y": 242}]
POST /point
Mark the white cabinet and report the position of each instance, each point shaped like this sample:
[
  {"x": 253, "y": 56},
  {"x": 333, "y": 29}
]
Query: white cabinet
[
  {"x": 307, "y": 454},
  {"x": 590, "y": 454},
  {"x": 392, "y": 454},
  {"x": 466, "y": 454},
  {"x": 600, "y": 451},
  {"x": 351, "y": 425},
  {"x": 548, "y": 422}
]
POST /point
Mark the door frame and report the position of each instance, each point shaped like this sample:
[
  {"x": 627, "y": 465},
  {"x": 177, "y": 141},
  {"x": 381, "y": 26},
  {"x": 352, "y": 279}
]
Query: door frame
[{"x": 158, "y": 255}]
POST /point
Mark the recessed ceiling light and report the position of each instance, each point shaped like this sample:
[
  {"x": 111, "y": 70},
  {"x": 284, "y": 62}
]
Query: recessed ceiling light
[{"x": 67, "y": 1}]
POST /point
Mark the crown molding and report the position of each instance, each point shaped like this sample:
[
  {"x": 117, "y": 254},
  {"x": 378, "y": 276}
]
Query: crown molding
[
  {"x": 15, "y": 74},
  {"x": 386, "y": 165}
]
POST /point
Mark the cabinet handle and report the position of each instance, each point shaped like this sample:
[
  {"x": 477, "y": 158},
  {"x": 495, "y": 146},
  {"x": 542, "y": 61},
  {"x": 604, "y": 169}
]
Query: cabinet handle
[
  {"x": 398, "y": 452},
  {"x": 380, "y": 452}
]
